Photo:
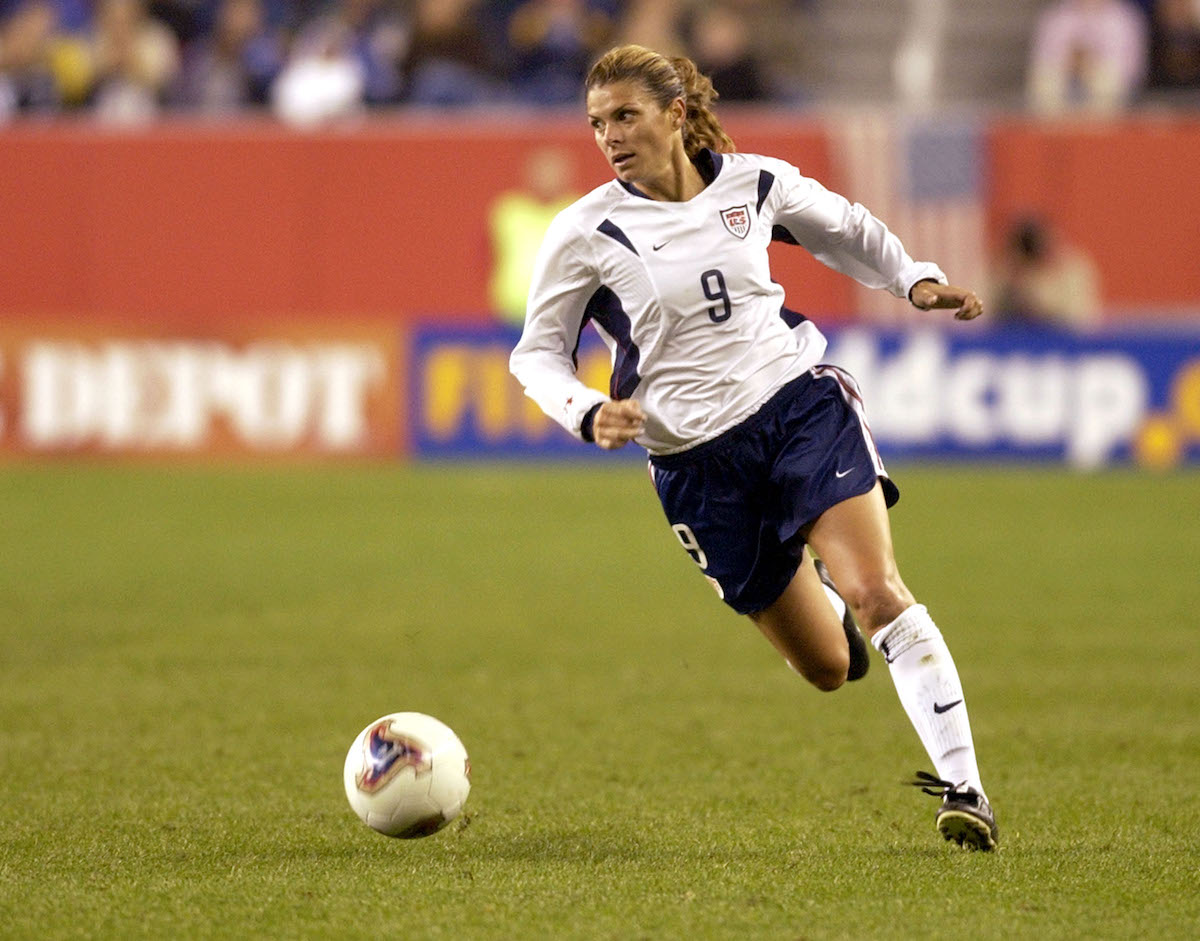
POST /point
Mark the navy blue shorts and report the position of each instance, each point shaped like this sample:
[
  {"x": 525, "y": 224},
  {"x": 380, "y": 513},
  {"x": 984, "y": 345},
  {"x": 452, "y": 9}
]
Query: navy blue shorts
[{"x": 738, "y": 502}]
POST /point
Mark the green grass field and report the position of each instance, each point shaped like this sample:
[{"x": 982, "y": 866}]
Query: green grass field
[{"x": 186, "y": 655}]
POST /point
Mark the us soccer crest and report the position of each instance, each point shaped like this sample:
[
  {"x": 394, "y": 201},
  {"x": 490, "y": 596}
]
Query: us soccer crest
[{"x": 737, "y": 220}]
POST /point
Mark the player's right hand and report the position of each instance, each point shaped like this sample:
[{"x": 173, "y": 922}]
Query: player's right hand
[
  {"x": 618, "y": 423},
  {"x": 928, "y": 295}
]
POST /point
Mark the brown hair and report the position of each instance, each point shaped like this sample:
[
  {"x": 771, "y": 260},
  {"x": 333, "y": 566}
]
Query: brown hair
[{"x": 667, "y": 79}]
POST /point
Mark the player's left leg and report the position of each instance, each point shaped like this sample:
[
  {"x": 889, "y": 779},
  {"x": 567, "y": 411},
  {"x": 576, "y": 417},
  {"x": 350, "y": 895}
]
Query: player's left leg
[
  {"x": 812, "y": 635},
  {"x": 854, "y": 539}
]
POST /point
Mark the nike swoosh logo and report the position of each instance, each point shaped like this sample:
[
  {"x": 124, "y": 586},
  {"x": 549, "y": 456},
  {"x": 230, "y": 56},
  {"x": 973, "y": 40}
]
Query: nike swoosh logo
[
  {"x": 946, "y": 708},
  {"x": 660, "y": 245},
  {"x": 840, "y": 474}
]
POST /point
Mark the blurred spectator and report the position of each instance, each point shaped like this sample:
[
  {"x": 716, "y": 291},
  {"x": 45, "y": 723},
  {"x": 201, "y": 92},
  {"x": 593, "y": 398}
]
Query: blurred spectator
[
  {"x": 721, "y": 46},
  {"x": 27, "y": 81},
  {"x": 752, "y": 49},
  {"x": 1043, "y": 280},
  {"x": 1088, "y": 55},
  {"x": 343, "y": 60},
  {"x": 316, "y": 59},
  {"x": 234, "y": 67},
  {"x": 450, "y": 62},
  {"x": 380, "y": 37},
  {"x": 518, "y": 220},
  {"x": 43, "y": 67},
  {"x": 323, "y": 79},
  {"x": 135, "y": 58},
  {"x": 779, "y": 32},
  {"x": 552, "y": 43},
  {"x": 187, "y": 19},
  {"x": 1175, "y": 45},
  {"x": 71, "y": 16},
  {"x": 657, "y": 24},
  {"x": 292, "y": 15}
]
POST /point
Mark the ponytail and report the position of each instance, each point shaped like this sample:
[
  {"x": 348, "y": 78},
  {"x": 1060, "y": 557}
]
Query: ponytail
[
  {"x": 702, "y": 129},
  {"x": 667, "y": 79}
]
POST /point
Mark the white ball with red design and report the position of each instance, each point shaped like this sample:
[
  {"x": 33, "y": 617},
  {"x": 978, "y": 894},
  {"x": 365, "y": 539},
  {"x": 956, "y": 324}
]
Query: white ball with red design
[{"x": 407, "y": 775}]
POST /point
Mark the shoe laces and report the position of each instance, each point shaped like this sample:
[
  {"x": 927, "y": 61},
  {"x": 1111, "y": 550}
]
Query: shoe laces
[{"x": 933, "y": 785}]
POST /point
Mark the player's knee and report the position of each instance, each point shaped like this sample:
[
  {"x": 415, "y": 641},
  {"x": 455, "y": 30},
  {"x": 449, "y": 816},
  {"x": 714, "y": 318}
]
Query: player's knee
[
  {"x": 829, "y": 680},
  {"x": 877, "y": 602},
  {"x": 827, "y": 674}
]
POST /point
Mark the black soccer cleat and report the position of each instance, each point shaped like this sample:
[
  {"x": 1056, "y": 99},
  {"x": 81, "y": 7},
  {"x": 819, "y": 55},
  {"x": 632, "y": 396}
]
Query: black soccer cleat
[
  {"x": 965, "y": 817},
  {"x": 860, "y": 660}
]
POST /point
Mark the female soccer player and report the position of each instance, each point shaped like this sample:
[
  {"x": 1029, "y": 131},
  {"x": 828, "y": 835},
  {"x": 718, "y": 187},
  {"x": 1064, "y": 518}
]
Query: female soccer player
[{"x": 756, "y": 450}]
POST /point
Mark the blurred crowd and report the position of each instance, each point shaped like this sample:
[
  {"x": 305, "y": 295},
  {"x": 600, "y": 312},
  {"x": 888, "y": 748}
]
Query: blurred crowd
[
  {"x": 312, "y": 59},
  {"x": 308, "y": 60},
  {"x": 1102, "y": 56}
]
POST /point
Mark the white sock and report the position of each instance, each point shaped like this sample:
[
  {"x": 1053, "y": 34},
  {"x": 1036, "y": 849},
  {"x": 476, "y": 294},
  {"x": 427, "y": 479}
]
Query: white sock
[{"x": 929, "y": 689}]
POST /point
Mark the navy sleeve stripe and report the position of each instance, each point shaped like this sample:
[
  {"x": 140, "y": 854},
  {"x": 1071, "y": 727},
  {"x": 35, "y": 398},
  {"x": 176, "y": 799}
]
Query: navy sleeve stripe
[
  {"x": 780, "y": 234},
  {"x": 605, "y": 308},
  {"x": 765, "y": 181},
  {"x": 578, "y": 339},
  {"x": 709, "y": 163},
  {"x": 614, "y": 232},
  {"x": 792, "y": 318}
]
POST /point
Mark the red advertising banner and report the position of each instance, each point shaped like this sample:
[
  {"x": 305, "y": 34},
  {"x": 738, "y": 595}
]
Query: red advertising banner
[
  {"x": 191, "y": 223},
  {"x": 311, "y": 390},
  {"x": 194, "y": 223}
]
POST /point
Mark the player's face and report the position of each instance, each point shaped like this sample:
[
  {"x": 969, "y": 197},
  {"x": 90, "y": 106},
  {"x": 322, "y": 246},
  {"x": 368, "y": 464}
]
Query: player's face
[{"x": 635, "y": 135}]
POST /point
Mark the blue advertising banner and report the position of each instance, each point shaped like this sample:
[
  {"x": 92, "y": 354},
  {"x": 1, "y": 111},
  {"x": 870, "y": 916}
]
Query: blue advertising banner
[
  {"x": 1028, "y": 394},
  {"x": 465, "y": 403},
  {"x": 1013, "y": 394}
]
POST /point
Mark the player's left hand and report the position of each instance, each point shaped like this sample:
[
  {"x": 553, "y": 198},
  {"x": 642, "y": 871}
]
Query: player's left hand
[{"x": 929, "y": 295}]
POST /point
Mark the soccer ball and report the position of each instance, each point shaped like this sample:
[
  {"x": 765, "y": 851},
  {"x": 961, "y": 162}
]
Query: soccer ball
[{"x": 407, "y": 775}]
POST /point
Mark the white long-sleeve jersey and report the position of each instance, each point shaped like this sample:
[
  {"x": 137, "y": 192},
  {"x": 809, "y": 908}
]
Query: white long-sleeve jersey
[{"x": 681, "y": 293}]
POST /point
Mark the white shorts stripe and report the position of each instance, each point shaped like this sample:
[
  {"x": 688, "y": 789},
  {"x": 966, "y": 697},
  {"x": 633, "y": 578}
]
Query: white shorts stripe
[{"x": 853, "y": 396}]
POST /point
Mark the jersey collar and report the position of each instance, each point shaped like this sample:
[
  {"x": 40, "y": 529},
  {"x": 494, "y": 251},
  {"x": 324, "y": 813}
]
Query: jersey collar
[{"x": 708, "y": 162}]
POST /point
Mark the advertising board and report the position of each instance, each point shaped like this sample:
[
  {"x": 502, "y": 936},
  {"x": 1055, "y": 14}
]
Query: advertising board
[
  {"x": 294, "y": 390},
  {"x": 1087, "y": 400},
  {"x": 344, "y": 390}
]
